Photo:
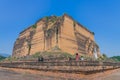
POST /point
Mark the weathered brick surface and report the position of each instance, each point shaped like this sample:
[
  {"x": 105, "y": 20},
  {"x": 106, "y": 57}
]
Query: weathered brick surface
[
  {"x": 63, "y": 32},
  {"x": 68, "y": 66}
]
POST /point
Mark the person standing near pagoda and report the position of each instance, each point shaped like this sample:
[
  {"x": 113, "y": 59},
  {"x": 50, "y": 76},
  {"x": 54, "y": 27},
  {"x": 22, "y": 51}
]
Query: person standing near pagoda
[{"x": 77, "y": 57}]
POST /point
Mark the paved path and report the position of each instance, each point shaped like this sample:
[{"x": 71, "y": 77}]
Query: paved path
[
  {"x": 113, "y": 76},
  {"x": 9, "y": 74}
]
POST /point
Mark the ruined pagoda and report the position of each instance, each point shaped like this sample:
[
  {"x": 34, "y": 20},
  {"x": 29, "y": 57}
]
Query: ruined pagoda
[{"x": 62, "y": 32}]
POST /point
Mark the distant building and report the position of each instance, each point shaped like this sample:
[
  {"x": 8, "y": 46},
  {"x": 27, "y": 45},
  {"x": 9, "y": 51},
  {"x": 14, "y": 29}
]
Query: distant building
[{"x": 50, "y": 32}]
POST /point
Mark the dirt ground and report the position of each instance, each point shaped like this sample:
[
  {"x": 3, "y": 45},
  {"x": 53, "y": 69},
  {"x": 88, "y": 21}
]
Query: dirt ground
[{"x": 22, "y": 74}]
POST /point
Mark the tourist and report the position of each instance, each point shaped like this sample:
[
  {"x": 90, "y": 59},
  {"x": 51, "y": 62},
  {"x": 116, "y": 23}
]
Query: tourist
[
  {"x": 70, "y": 58},
  {"x": 82, "y": 58},
  {"x": 77, "y": 57},
  {"x": 40, "y": 59}
]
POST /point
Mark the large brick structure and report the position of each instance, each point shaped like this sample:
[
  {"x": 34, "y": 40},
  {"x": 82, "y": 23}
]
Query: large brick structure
[{"x": 53, "y": 31}]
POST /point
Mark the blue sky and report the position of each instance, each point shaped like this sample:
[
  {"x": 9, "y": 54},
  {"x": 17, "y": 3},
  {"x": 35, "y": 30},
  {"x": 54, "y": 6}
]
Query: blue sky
[{"x": 100, "y": 16}]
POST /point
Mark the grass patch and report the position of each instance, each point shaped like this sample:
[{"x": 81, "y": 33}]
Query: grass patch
[{"x": 46, "y": 54}]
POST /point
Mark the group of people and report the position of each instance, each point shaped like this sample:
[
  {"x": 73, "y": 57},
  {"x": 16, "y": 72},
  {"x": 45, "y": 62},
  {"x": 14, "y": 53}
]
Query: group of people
[
  {"x": 77, "y": 58},
  {"x": 40, "y": 59}
]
